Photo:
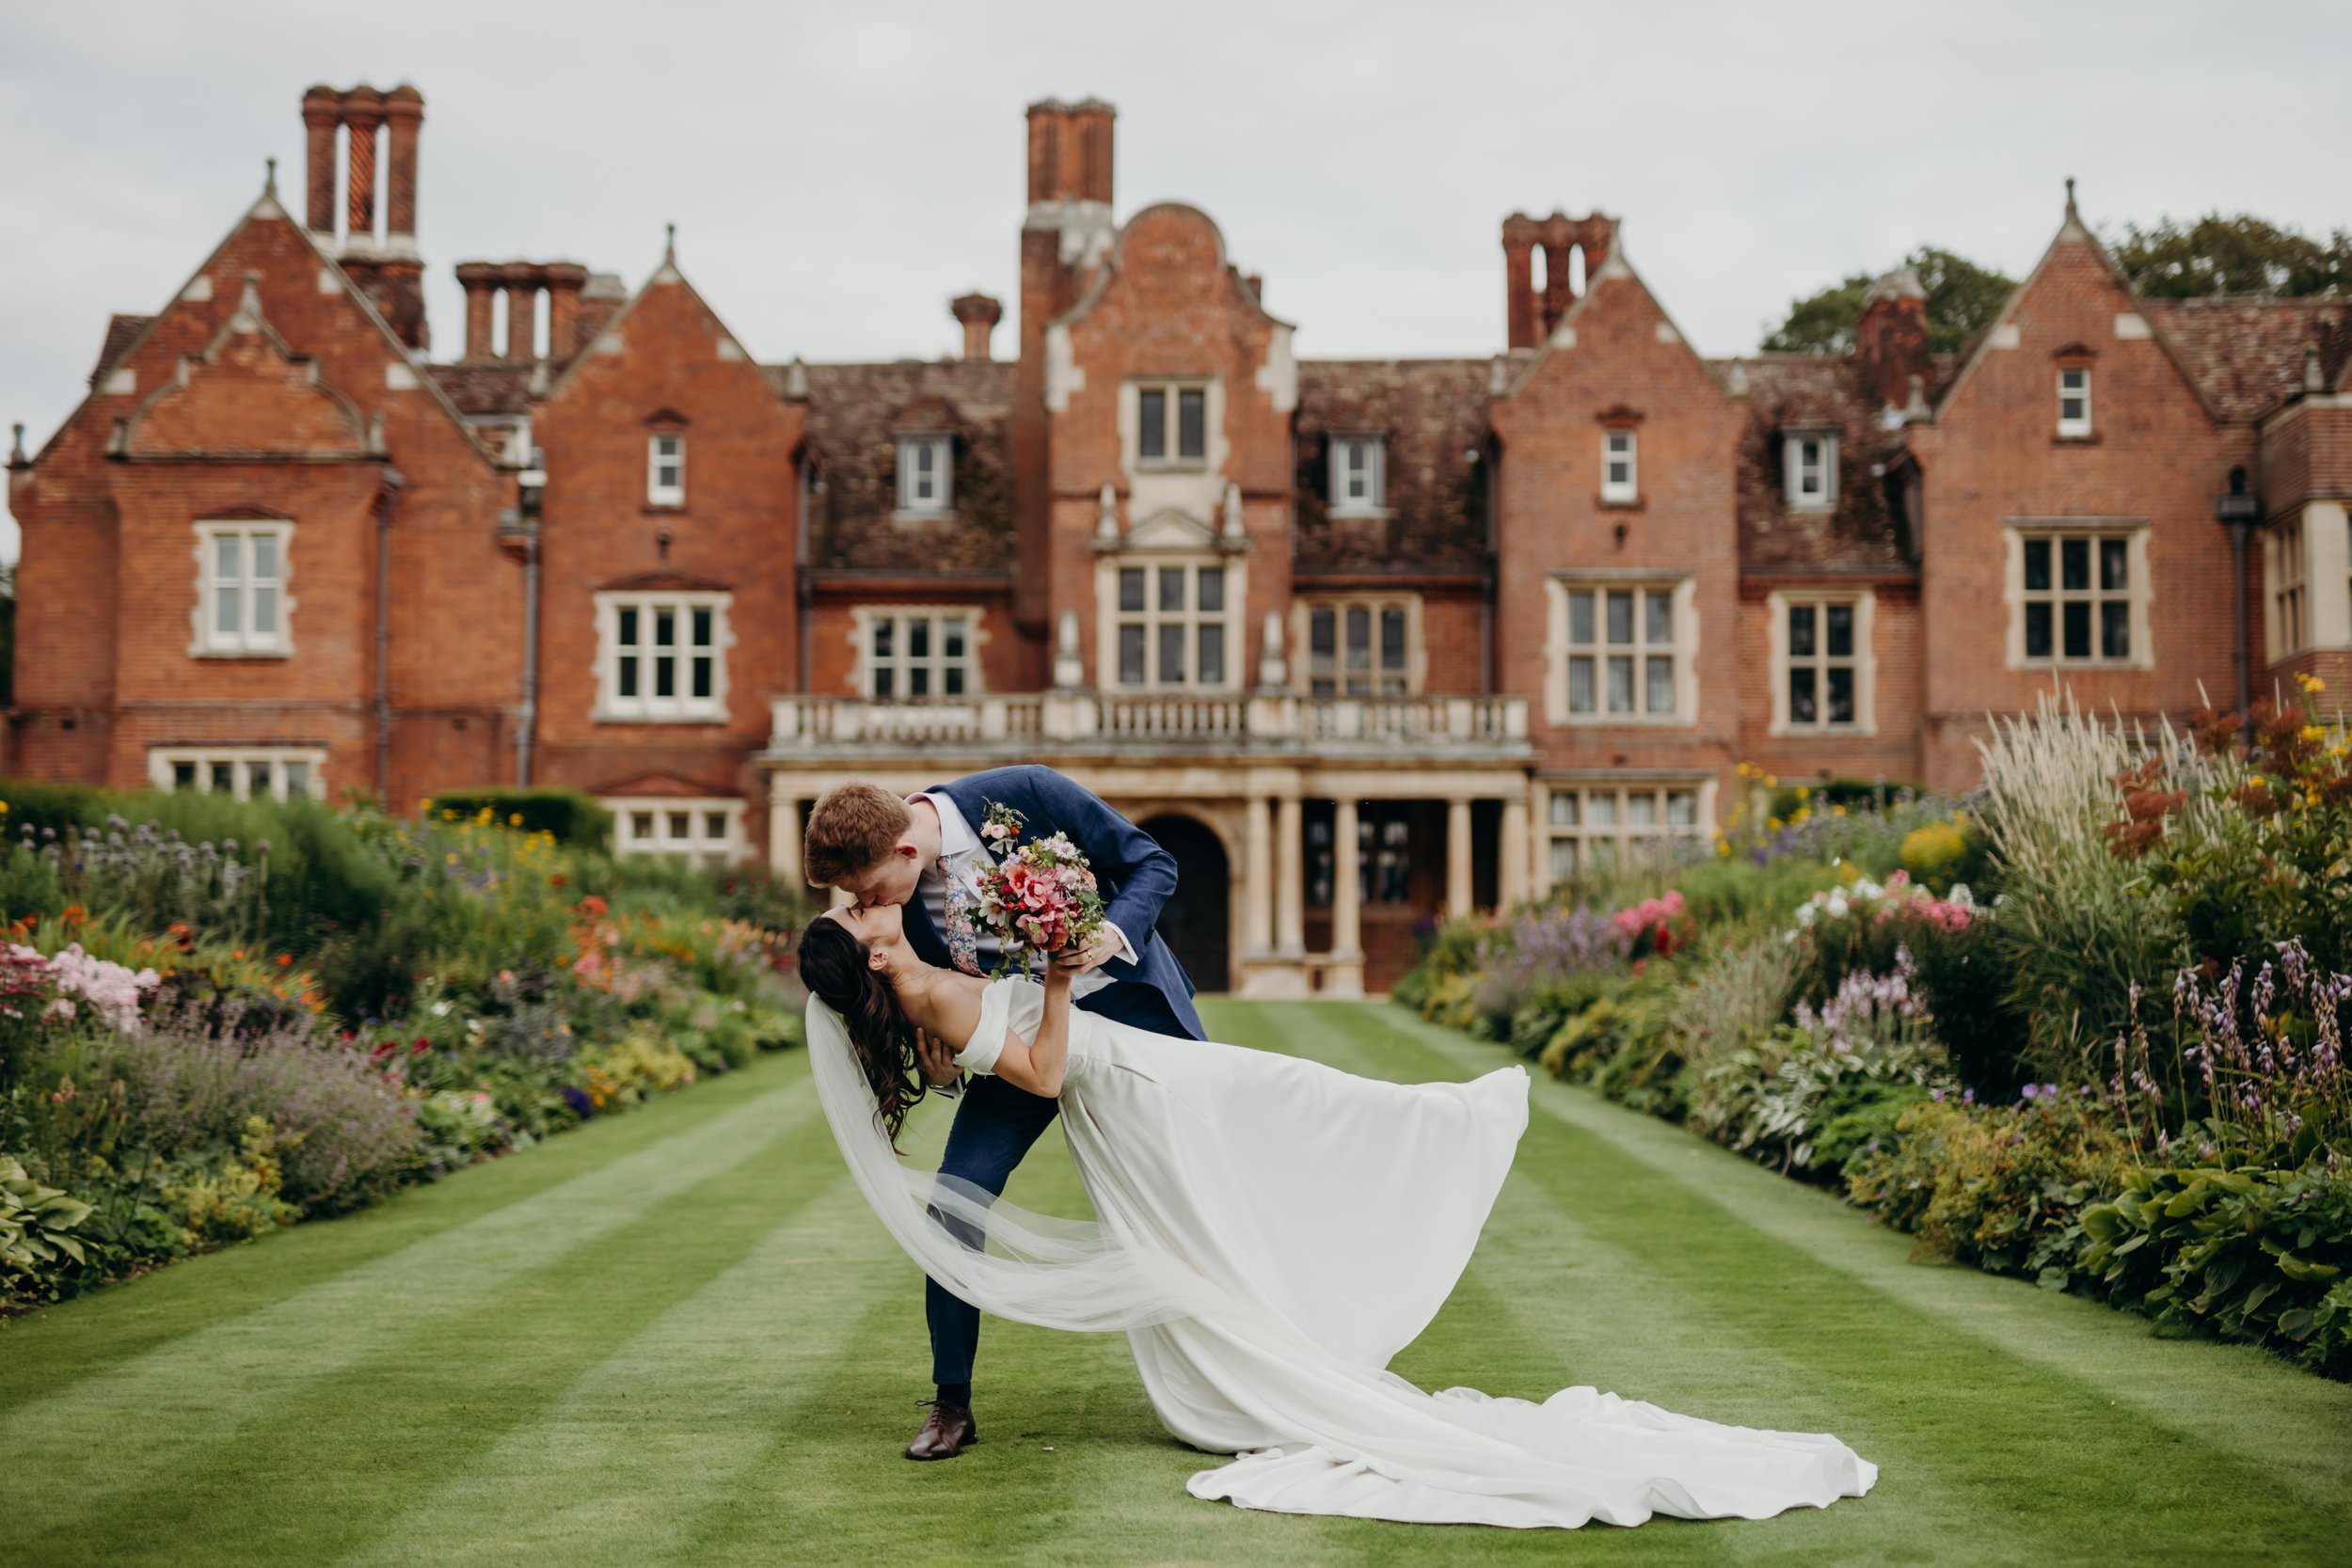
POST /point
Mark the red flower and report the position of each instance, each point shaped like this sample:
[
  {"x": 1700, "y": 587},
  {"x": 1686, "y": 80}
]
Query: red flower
[{"x": 422, "y": 1046}]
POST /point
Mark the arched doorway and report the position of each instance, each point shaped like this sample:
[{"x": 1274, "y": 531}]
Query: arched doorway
[{"x": 1195, "y": 920}]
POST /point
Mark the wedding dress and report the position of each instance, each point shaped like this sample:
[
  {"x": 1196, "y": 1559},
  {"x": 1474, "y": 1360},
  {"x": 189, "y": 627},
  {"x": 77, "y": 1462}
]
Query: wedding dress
[{"x": 1270, "y": 1231}]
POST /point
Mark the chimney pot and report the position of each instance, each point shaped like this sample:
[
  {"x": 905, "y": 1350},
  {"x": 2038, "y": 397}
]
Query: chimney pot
[
  {"x": 522, "y": 280},
  {"x": 363, "y": 113},
  {"x": 564, "y": 281},
  {"x": 979, "y": 313},
  {"x": 322, "y": 111},
  {"x": 480, "y": 280},
  {"x": 1518, "y": 279},
  {"x": 404, "y": 118}
]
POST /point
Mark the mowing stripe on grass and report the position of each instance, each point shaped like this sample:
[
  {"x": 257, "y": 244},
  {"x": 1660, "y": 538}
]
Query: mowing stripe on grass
[
  {"x": 692, "y": 1397},
  {"x": 147, "y": 1414},
  {"x": 426, "y": 1406},
  {"x": 42, "y": 1354},
  {"x": 2299, "y": 1431}
]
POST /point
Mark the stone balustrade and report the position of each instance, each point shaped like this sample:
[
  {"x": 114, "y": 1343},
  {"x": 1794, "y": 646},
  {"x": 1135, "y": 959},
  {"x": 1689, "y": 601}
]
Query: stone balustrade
[{"x": 1085, "y": 724}]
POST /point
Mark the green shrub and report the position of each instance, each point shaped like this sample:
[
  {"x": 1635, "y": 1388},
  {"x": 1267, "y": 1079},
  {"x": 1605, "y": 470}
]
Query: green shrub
[
  {"x": 1855, "y": 795},
  {"x": 572, "y": 815}
]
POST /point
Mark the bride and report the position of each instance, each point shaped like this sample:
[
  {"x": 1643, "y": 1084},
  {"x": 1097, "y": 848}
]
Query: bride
[{"x": 1270, "y": 1231}]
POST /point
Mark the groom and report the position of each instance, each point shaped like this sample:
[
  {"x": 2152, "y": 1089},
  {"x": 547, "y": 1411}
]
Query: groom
[{"x": 926, "y": 854}]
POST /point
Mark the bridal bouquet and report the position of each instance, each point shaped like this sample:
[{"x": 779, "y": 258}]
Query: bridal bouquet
[{"x": 1039, "y": 897}]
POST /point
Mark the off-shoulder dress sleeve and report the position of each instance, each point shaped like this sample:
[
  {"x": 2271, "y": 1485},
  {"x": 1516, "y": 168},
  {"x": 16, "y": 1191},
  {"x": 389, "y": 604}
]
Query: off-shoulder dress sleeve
[{"x": 987, "y": 1043}]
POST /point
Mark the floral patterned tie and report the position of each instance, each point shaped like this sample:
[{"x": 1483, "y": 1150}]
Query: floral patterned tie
[{"x": 963, "y": 933}]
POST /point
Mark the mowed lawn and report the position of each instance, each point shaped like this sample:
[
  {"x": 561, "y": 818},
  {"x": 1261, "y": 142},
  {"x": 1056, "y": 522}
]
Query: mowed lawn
[{"x": 678, "y": 1337}]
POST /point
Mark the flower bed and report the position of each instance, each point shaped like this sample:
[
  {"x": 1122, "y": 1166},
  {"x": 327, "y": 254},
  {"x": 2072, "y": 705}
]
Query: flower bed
[
  {"x": 2085, "y": 1027},
  {"x": 196, "y": 1049}
]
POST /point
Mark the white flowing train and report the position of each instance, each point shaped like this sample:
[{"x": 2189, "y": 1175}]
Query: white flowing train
[{"x": 1270, "y": 1232}]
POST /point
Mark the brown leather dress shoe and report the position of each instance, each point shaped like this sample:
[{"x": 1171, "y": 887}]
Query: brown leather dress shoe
[{"x": 946, "y": 1431}]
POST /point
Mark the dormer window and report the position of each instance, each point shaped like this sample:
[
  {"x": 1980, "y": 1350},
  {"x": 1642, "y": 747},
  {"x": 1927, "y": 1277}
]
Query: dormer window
[
  {"x": 1171, "y": 424},
  {"x": 1358, "y": 477},
  {"x": 1810, "y": 459},
  {"x": 665, "y": 469},
  {"x": 2073, "y": 398},
  {"x": 1620, "y": 479},
  {"x": 926, "y": 473}
]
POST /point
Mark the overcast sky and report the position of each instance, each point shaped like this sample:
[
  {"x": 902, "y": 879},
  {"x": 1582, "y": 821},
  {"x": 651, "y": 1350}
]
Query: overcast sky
[{"x": 838, "y": 171}]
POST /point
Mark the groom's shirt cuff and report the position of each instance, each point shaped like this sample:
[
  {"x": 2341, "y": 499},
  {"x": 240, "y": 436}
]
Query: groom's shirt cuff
[{"x": 1126, "y": 948}]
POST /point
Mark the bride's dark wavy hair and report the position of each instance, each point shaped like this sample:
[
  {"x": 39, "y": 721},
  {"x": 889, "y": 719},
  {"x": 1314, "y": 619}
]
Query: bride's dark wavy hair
[{"x": 833, "y": 967}]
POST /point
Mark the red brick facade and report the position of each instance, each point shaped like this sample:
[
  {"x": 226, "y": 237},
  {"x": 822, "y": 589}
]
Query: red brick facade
[{"x": 1488, "y": 633}]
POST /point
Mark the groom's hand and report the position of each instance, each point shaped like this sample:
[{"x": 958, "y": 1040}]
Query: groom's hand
[
  {"x": 939, "y": 1063},
  {"x": 1094, "y": 955}
]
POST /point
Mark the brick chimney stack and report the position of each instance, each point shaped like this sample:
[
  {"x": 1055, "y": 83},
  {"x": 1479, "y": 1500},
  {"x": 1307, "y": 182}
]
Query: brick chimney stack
[
  {"x": 1518, "y": 279},
  {"x": 522, "y": 280},
  {"x": 1530, "y": 317},
  {"x": 979, "y": 313},
  {"x": 363, "y": 113},
  {"x": 480, "y": 280},
  {"x": 1891, "y": 337},
  {"x": 390, "y": 275},
  {"x": 322, "y": 112},
  {"x": 1065, "y": 235},
  {"x": 403, "y": 118},
  {"x": 564, "y": 281}
]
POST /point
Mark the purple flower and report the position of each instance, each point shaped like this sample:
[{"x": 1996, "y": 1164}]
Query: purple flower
[{"x": 577, "y": 1098}]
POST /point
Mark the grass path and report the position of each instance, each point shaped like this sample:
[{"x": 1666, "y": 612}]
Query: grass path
[{"x": 677, "y": 1338}]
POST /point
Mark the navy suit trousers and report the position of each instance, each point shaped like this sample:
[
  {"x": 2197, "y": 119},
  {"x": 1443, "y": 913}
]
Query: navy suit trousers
[{"x": 994, "y": 1126}]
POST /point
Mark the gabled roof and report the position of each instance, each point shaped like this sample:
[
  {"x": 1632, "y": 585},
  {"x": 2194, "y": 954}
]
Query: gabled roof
[
  {"x": 666, "y": 275},
  {"x": 485, "y": 386},
  {"x": 2069, "y": 232},
  {"x": 1522, "y": 365},
  {"x": 268, "y": 209}
]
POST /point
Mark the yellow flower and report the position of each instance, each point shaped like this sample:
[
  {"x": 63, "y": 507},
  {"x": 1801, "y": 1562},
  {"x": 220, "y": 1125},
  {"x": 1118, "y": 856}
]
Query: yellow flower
[
  {"x": 1771, "y": 781},
  {"x": 2310, "y": 683},
  {"x": 514, "y": 820},
  {"x": 2312, "y": 732}
]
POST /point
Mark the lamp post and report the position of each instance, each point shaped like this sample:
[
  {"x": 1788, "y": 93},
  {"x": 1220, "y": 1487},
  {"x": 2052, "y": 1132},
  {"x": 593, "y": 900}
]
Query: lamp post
[{"x": 2238, "y": 510}]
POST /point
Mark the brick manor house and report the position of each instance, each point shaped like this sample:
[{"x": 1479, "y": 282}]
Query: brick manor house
[{"x": 1357, "y": 640}]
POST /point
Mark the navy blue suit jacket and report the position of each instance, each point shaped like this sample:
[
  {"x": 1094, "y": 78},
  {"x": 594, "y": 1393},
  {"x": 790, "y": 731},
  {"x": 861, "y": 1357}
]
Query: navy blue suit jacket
[{"x": 1134, "y": 873}]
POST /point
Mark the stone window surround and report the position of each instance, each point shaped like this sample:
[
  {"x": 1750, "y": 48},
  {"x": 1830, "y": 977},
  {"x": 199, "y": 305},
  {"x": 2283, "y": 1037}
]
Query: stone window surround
[
  {"x": 162, "y": 761},
  {"x": 1301, "y": 645},
  {"x": 206, "y": 642},
  {"x": 1107, "y": 616},
  {"x": 1792, "y": 474},
  {"x": 1629, "y": 492},
  {"x": 656, "y": 812},
  {"x": 2078, "y": 428},
  {"x": 2140, "y": 590},
  {"x": 942, "y": 444},
  {"x": 1212, "y": 455},
  {"x": 1657, "y": 785},
  {"x": 2286, "y": 587},
  {"x": 1685, "y": 647},
  {"x": 657, "y": 493},
  {"x": 1376, "y": 447},
  {"x": 613, "y": 709},
  {"x": 862, "y": 619},
  {"x": 1865, "y": 660}
]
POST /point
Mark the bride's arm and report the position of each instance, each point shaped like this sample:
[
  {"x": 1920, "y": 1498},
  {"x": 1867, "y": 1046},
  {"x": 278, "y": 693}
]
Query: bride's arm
[{"x": 1037, "y": 1065}]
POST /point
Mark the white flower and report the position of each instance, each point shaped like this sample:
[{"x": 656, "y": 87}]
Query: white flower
[{"x": 440, "y": 1010}]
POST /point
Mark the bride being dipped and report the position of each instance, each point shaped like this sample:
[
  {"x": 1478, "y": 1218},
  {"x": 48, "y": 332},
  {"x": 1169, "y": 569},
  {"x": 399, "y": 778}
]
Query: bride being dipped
[{"x": 1270, "y": 1231}]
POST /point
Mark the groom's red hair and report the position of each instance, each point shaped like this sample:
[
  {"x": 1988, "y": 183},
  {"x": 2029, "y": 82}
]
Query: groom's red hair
[{"x": 853, "y": 827}]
